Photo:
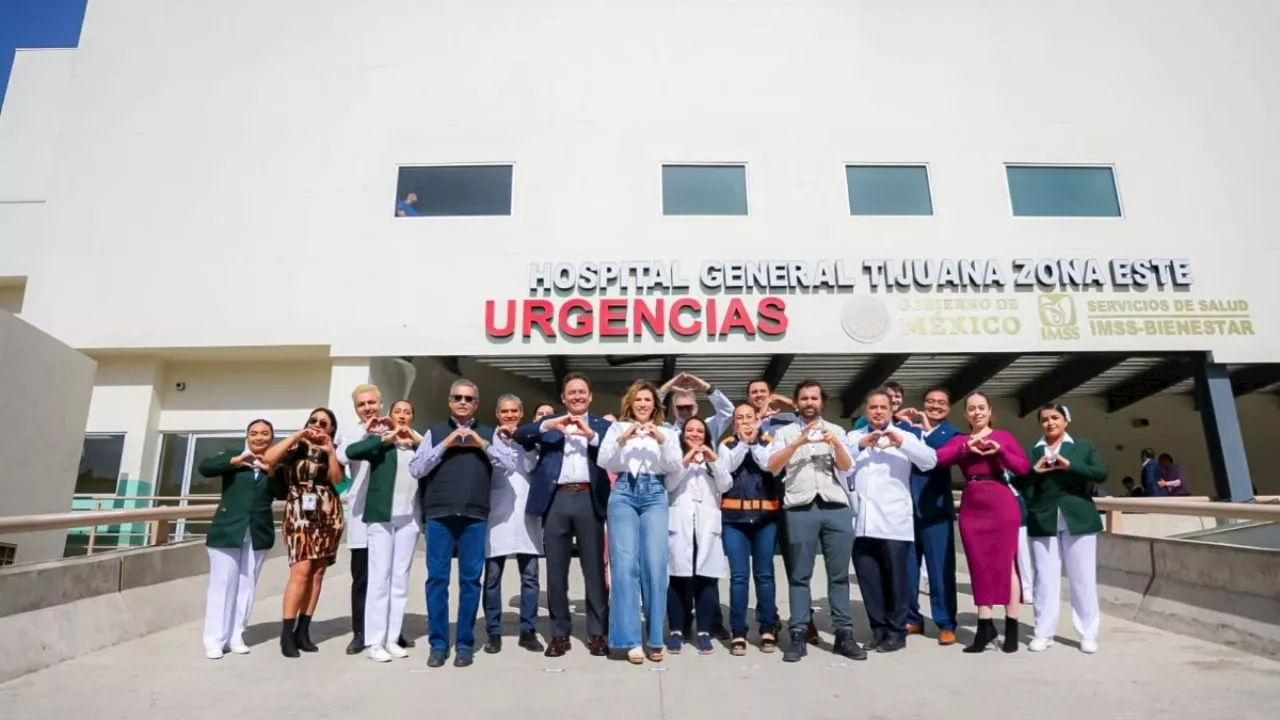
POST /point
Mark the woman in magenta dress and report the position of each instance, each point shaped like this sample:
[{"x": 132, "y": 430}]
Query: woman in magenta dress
[{"x": 990, "y": 515}]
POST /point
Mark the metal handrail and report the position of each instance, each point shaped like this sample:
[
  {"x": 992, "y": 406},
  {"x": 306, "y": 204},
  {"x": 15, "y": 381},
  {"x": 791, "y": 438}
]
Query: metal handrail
[{"x": 1263, "y": 509}]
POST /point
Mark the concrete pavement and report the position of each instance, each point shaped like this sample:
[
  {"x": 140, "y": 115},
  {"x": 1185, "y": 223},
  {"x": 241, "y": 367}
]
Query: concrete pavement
[{"x": 1140, "y": 672}]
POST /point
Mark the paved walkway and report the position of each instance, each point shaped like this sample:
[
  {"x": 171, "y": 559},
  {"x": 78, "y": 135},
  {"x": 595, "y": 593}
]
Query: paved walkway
[{"x": 1140, "y": 673}]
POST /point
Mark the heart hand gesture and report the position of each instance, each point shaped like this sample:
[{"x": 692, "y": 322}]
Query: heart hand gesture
[{"x": 246, "y": 459}]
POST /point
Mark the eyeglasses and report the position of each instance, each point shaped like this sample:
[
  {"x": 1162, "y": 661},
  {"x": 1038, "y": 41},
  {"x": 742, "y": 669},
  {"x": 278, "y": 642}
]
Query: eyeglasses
[
  {"x": 463, "y": 398},
  {"x": 686, "y": 408}
]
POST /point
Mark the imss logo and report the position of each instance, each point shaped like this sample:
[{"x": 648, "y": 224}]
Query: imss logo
[{"x": 1058, "y": 320}]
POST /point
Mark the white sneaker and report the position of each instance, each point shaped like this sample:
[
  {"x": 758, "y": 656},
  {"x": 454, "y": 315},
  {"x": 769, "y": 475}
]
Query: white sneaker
[
  {"x": 214, "y": 654},
  {"x": 377, "y": 653},
  {"x": 1088, "y": 647},
  {"x": 239, "y": 648},
  {"x": 396, "y": 651},
  {"x": 1040, "y": 644}
]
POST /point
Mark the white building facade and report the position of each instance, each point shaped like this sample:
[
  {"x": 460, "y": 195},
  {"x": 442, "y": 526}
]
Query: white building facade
[{"x": 202, "y": 196}]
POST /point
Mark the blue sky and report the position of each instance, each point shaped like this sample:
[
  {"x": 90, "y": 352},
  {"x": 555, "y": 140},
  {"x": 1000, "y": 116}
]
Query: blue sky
[{"x": 36, "y": 24}]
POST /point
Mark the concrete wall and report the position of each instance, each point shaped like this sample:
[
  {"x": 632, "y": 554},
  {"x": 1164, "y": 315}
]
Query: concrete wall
[
  {"x": 288, "y": 161},
  {"x": 44, "y": 397}
]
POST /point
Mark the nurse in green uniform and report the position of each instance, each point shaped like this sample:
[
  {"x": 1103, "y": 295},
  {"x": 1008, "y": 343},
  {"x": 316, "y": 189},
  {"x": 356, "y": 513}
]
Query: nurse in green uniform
[
  {"x": 1063, "y": 524},
  {"x": 239, "y": 537}
]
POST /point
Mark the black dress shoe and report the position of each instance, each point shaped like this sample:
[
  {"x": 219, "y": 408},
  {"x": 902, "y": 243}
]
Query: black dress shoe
[
  {"x": 893, "y": 643},
  {"x": 598, "y": 646},
  {"x": 464, "y": 658},
  {"x": 798, "y": 648},
  {"x": 492, "y": 646},
  {"x": 848, "y": 647},
  {"x": 557, "y": 647},
  {"x": 529, "y": 641},
  {"x": 437, "y": 657},
  {"x": 356, "y": 646},
  {"x": 405, "y": 642}
]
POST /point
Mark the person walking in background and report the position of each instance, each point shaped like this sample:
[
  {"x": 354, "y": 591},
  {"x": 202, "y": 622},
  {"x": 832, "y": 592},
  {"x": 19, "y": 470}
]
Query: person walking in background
[
  {"x": 989, "y": 517},
  {"x": 694, "y": 543},
  {"x": 455, "y": 464},
  {"x": 390, "y": 514},
  {"x": 934, "y": 526},
  {"x": 1063, "y": 522},
  {"x": 306, "y": 463},
  {"x": 749, "y": 510},
  {"x": 643, "y": 452},
  {"x": 512, "y": 531},
  {"x": 239, "y": 537}
]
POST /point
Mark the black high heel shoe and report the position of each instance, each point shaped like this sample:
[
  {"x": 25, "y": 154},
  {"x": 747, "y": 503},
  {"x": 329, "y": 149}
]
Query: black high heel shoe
[
  {"x": 1010, "y": 635},
  {"x": 986, "y": 635}
]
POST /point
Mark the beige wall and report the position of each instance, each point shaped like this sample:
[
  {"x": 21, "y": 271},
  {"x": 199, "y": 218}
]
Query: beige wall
[{"x": 44, "y": 398}]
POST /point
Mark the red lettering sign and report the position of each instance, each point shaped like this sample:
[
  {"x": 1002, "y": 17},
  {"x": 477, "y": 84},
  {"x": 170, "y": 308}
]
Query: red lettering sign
[{"x": 686, "y": 317}]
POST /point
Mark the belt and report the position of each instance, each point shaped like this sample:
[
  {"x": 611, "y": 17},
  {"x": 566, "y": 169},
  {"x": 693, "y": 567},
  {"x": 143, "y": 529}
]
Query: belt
[
  {"x": 736, "y": 504},
  {"x": 573, "y": 487},
  {"x": 975, "y": 478}
]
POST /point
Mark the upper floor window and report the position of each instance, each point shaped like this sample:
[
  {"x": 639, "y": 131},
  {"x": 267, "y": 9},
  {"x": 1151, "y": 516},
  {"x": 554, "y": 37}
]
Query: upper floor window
[
  {"x": 1063, "y": 191},
  {"x": 888, "y": 190},
  {"x": 453, "y": 190},
  {"x": 704, "y": 190},
  {"x": 100, "y": 464}
]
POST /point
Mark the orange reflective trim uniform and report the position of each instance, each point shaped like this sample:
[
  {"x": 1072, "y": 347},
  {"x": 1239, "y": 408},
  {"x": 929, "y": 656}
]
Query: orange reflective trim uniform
[{"x": 736, "y": 504}]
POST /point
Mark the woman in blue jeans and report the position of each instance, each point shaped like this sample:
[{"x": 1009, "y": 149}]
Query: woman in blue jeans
[
  {"x": 641, "y": 452},
  {"x": 750, "y": 515}
]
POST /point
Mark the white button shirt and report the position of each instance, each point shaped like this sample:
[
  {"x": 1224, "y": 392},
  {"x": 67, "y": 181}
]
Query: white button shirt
[
  {"x": 353, "y": 498},
  {"x": 882, "y": 484}
]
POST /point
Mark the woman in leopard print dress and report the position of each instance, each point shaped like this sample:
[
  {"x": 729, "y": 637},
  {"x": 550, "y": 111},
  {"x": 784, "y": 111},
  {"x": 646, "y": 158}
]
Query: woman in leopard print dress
[{"x": 305, "y": 469}]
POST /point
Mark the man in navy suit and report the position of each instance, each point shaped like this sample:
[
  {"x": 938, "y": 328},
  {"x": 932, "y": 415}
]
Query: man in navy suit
[
  {"x": 570, "y": 492},
  {"x": 1151, "y": 475},
  {"x": 935, "y": 513}
]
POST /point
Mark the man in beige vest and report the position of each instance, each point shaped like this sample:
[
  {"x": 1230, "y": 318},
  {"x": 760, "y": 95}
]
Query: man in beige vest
[{"x": 813, "y": 454}]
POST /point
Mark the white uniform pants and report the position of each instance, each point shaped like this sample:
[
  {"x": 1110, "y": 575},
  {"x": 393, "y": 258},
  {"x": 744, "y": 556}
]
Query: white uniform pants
[
  {"x": 1081, "y": 553},
  {"x": 1025, "y": 569},
  {"x": 233, "y": 575},
  {"x": 391, "y": 546}
]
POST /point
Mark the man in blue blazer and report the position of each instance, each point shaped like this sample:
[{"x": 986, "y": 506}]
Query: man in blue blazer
[
  {"x": 935, "y": 513},
  {"x": 570, "y": 492},
  {"x": 1151, "y": 474}
]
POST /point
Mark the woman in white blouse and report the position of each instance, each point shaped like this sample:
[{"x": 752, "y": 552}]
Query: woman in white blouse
[
  {"x": 697, "y": 552},
  {"x": 641, "y": 452}
]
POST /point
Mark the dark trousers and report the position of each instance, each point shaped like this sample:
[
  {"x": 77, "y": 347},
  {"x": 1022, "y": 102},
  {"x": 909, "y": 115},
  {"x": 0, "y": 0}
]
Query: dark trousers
[
  {"x": 572, "y": 516},
  {"x": 359, "y": 587},
  {"x": 687, "y": 593},
  {"x": 881, "y": 567},
  {"x": 528, "y": 567},
  {"x": 444, "y": 535},
  {"x": 935, "y": 544}
]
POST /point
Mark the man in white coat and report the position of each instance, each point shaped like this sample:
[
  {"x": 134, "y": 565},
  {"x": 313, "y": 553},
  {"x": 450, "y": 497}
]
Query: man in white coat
[
  {"x": 884, "y": 523},
  {"x": 512, "y": 532}
]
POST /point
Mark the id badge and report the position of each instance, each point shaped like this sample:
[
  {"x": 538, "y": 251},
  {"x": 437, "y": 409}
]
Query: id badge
[{"x": 309, "y": 501}]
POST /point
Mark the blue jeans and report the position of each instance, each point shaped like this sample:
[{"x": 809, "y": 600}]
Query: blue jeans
[
  {"x": 443, "y": 535},
  {"x": 638, "y": 559},
  {"x": 749, "y": 547}
]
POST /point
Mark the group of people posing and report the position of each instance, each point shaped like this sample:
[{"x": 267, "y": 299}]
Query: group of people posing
[{"x": 660, "y": 511}]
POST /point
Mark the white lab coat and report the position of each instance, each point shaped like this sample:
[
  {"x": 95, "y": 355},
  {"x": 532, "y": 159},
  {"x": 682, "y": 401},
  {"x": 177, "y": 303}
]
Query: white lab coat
[
  {"x": 882, "y": 484},
  {"x": 353, "y": 498},
  {"x": 511, "y": 531},
  {"x": 694, "y": 494}
]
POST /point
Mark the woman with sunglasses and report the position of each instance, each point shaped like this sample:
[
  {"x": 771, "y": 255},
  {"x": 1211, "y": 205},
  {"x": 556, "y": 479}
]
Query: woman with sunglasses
[
  {"x": 239, "y": 537},
  {"x": 642, "y": 452},
  {"x": 990, "y": 515},
  {"x": 390, "y": 514},
  {"x": 697, "y": 552},
  {"x": 307, "y": 466},
  {"x": 1063, "y": 523}
]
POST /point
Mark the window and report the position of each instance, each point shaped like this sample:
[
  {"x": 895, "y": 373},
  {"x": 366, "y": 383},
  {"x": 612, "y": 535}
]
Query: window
[
  {"x": 1062, "y": 191},
  {"x": 704, "y": 190},
  {"x": 888, "y": 190},
  {"x": 7, "y": 553},
  {"x": 453, "y": 190},
  {"x": 180, "y": 455},
  {"x": 100, "y": 464}
]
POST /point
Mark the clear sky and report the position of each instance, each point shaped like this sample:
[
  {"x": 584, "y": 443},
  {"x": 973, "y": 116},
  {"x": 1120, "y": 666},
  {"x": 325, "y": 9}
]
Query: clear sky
[{"x": 36, "y": 24}]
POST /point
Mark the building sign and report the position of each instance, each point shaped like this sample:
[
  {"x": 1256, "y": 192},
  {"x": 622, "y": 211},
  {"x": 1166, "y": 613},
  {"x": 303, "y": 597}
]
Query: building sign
[{"x": 917, "y": 297}]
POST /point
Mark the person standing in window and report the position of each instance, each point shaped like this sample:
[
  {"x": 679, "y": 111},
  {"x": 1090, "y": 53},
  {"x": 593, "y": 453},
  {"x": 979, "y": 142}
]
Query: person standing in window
[
  {"x": 695, "y": 544},
  {"x": 990, "y": 515},
  {"x": 390, "y": 515},
  {"x": 455, "y": 464},
  {"x": 642, "y": 452},
  {"x": 405, "y": 207},
  {"x": 239, "y": 537},
  {"x": 312, "y": 521},
  {"x": 512, "y": 531},
  {"x": 1063, "y": 522}
]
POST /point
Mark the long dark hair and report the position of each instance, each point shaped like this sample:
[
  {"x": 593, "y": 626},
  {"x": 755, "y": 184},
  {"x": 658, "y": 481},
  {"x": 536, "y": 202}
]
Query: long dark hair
[
  {"x": 706, "y": 432},
  {"x": 333, "y": 420}
]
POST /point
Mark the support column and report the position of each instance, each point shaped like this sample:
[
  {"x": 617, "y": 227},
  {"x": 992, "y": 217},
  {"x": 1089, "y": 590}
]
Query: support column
[{"x": 1230, "y": 467}]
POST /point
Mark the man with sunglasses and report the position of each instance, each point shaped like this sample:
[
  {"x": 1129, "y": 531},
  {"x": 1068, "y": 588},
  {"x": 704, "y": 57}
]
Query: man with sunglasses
[
  {"x": 454, "y": 479},
  {"x": 684, "y": 403}
]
